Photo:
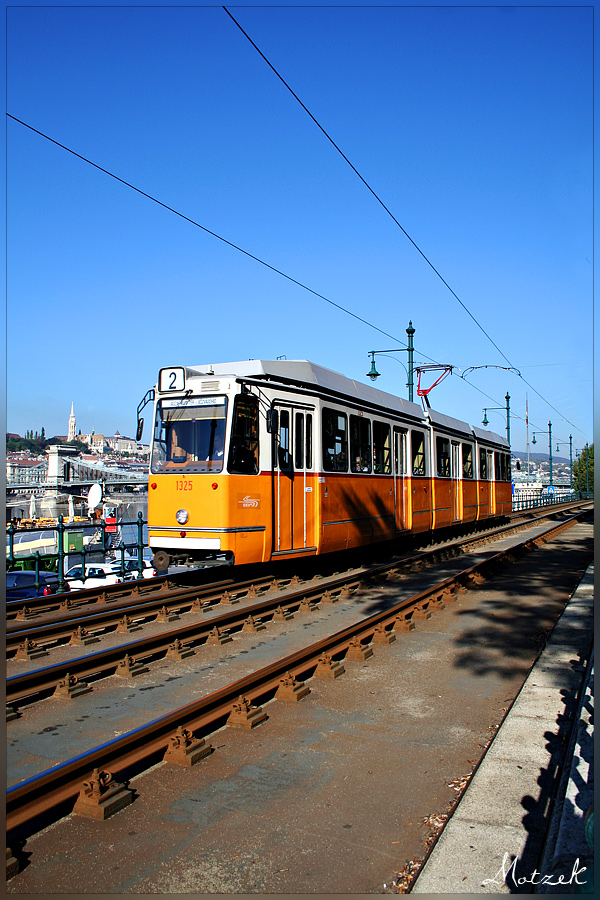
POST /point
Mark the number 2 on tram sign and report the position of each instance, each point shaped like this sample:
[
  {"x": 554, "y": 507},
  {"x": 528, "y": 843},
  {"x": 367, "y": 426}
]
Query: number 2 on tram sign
[{"x": 172, "y": 379}]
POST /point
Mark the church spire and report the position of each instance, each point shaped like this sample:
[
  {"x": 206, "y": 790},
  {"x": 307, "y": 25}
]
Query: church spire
[{"x": 72, "y": 425}]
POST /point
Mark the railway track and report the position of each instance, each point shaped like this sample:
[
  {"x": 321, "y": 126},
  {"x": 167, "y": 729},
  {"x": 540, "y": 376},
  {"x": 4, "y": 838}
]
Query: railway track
[
  {"x": 30, "y": 640},
  {"x": 278, "y": 600},
  {"x": 180, "y": 734},
  {"x": 166, "y": 588},
  {"x": 150, "y": 596}
]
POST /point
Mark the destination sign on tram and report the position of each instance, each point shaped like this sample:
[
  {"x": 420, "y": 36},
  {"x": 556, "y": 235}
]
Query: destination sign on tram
[{"x": 183, "y": 402}]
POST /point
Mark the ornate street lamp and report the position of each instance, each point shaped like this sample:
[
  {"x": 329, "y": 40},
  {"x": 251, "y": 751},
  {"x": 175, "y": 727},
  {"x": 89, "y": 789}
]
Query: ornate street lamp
[
  {"x": 373, "y": 374},
  {"x": 485, "y": 420},
  {"x": 558, "y": 445},
  {"x": 549, "y": 433}
]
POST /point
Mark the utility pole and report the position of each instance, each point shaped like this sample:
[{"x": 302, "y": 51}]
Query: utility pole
[
  {"x": 410, "y": 332},
  {"x": 571, "y": 459},
  {"x": 527, "y": 426},
  {"x": 550, "y": 449},
  {"x": 507, "y": 398}
]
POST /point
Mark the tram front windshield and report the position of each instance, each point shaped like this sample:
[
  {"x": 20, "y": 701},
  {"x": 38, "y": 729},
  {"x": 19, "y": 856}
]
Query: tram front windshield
[{"x": 189, "y": 435}]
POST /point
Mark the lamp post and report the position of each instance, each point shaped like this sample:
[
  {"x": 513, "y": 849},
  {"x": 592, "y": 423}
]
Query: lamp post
[
  {"x": 373, "y": 374},
  {"x": 506, "y": 409},
  {"x": 549, "y": 433},
  {"x": 558, "y": 444}
]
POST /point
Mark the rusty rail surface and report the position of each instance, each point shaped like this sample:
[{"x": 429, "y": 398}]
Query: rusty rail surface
[
  {"x": 52, "y": 628},
  {"x": 40, "y": 682},
  {"x": 55, "y": 628},
  {"x": 164, "y": 583},
  {"x": 110, "y": 593},
  {"x": 55, "y": 791}
]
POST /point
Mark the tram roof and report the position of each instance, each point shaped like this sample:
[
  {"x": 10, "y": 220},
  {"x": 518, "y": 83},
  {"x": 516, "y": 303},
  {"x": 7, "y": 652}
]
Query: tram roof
[
  {"x": 305, "y": 373},
  {"x": 490, "y": 437}
]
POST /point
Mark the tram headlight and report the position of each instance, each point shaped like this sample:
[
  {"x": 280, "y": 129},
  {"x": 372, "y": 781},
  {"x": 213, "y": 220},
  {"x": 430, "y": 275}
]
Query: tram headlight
[{"x": 182, "y": 516}]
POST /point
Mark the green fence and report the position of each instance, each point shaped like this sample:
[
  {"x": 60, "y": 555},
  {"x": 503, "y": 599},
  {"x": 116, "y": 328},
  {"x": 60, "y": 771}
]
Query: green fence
[{"x": 69, "y": 541}]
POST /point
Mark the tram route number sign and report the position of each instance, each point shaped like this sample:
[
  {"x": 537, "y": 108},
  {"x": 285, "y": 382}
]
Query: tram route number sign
[{"x": 172, "y": 379}]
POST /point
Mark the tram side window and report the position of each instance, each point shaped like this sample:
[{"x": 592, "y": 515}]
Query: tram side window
[
  {"x": 508, "y": 469},
  {"x": 503, "y": 466},
  {"x": 467, "y": 460},
  {"x": 443, "y": 456},
  {"x": 360, "y": 444},
  {"x": 309, "y": 450},
  {"x": 382, "y": 448},
  {"x": 418, "y": 453},
  {"x": 243, "y": 449},
  {"x": 335, "y": 441},
  {"x": 299, "y": 441},
  {"x": 497, "y": 468},
  {"x": 483, "y": 472},
  {"x": 284, "y": 454}
]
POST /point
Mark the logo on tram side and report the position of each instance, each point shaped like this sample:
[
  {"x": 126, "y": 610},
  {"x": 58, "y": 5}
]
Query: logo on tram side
[{"x": 248, "y": 502}]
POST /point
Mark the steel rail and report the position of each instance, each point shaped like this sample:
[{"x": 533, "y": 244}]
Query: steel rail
[
  {"x": 30, "y": 624},
  {"x": 110, "y": 593},
  {"x": 105, "y": 662},
  {"x": 57, "y": 627},
  {"x": 40, "y": 682},
  {"x": 86, "y": 596},
  {"x": 128, "y": 754}
]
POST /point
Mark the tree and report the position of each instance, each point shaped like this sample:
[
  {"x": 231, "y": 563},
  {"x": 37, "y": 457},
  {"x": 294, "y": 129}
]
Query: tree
[
  {"x": 78, "y": 444},
  {"x": 583, "y": 471}
]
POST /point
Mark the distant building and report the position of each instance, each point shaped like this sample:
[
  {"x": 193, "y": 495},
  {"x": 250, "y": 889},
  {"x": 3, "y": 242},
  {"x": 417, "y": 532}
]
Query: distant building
[
  {"x": 25, "y": 469},
  {"x": 96, "y": 443},
  {"x": 121, "y": 444}
]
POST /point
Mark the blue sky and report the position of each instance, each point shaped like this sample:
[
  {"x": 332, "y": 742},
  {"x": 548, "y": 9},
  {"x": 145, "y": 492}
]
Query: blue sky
[{"x": 473, "y": 125}]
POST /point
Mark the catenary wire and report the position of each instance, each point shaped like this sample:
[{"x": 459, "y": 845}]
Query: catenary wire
[
  {"x": 391, "y": 215},
  {"x": 236, "y": 247},
  {"x": 207, "y": 230}
]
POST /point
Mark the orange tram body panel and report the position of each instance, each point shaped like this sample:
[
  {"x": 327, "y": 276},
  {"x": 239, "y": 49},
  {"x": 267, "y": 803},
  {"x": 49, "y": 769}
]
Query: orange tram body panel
[{"x": 260, "y": 460}]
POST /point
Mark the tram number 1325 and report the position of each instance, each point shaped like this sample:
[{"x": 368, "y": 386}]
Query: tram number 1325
[{"x": 184, "y": 485}]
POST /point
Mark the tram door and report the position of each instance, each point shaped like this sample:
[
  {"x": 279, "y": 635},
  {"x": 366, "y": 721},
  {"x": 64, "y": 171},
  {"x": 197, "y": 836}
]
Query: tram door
[
  {"x": 293, "y": 497},
  {"x": 456, "y": 482},
  {"x": 400, "y": 483},
  {"x": 491, "y": 476}
]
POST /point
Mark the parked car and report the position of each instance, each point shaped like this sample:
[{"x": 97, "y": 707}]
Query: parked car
[
  {"x": 131, "y": 568},
  {"x": 21, "y": 585},
  {"x": 96, "y": 575}
]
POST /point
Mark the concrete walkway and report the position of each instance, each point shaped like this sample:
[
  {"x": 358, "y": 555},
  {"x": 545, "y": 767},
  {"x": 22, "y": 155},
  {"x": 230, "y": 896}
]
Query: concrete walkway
[{"x": 522, "y": 816}]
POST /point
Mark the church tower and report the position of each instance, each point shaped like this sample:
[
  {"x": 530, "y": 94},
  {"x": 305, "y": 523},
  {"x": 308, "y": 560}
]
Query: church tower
[{"x": 72, "y": 426}]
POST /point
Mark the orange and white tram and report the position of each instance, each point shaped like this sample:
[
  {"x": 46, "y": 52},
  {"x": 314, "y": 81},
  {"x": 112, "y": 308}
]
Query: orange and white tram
[{"x": 258, "y": 460}]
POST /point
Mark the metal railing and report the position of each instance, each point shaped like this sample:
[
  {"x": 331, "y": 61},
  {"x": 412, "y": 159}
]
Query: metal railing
[
  {"x": 533, "y": 499},
  {"x": 39, "y": 560}
]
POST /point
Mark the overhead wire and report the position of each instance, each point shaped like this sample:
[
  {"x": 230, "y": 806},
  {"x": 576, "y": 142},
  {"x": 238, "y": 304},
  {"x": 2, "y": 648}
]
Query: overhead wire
[
  {"x": 232, "y": 245},
  {"x": 212, "y": 233},
  {"x": 391, "y": 215}
]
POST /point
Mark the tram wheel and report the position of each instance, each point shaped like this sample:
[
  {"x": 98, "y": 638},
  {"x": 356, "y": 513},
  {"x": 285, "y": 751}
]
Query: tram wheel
[{"x": 161, "y": 560}]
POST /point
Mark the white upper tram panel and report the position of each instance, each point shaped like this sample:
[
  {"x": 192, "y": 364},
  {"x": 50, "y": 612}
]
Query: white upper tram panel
[{"x": 304, "y": 373}]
